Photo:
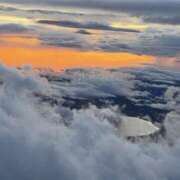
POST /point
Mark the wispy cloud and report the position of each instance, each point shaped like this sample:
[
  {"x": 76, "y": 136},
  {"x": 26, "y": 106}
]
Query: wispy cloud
[
  {"x": 13, "y": 28},
  {"x": 172, "y": 20}
]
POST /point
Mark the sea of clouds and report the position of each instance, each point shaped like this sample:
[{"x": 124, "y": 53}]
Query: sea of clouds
[{"x": 36, "y": 143}]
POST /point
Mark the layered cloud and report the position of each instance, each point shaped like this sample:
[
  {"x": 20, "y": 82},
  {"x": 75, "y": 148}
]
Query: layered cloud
[
  {"x": 137, "y": 27},
  {"x": 90, "y": 25},
  {"x": 97, "y": 1},
  {"x": 173, "y": 20}
]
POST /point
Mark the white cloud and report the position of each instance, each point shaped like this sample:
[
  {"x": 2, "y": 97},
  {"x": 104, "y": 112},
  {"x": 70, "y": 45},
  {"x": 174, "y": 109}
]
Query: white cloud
[
  {"x": 97, "y": 83},
  {"x": 35, "y": 144}
]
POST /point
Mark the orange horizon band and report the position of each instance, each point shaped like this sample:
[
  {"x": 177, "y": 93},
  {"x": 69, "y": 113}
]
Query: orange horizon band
[{"x": 18, "y": 51}]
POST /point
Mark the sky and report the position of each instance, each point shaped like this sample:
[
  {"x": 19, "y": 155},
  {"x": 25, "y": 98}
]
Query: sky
[
  {"x": 71, "y": 71},
  {"x": 116, "y": 33}
]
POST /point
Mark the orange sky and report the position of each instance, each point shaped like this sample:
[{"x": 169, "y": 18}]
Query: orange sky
[{"x": 18, "y": 51}]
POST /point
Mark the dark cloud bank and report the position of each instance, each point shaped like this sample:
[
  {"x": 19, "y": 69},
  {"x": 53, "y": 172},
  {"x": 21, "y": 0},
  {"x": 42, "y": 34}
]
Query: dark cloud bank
[
  {"x": 90, "y": 25},
  {"x": 36, "y": 144}
]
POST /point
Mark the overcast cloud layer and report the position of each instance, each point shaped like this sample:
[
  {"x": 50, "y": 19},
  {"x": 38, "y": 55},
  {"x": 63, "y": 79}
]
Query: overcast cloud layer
[
  {"x": 114, "y": 4},
  {"x": 92, "y": 1}
]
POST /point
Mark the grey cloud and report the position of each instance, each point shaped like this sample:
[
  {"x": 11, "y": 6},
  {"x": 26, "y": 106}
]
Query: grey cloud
[
  {"x": 90, "y": 25},
  {"x": 146, "y": 42},
  {"x": 138, "y": 7},
  {"x": 12, "y": 28},
  {"x": 104, "y": 3},
  {"x": 172, "y": 20},
  {"x": 162, "y": 44},
  {"x": 82, "y": 31},
  {"x": 68, "y": 39},
  {"x": 15, "y": 9},
  {"x": 150, "y": 43},
  {"x": 114, "y": 46}
]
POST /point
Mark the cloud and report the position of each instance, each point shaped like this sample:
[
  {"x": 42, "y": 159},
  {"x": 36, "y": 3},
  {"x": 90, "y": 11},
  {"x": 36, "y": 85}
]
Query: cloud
[
  {"x": 82, "y": 31},
  {"x": 164, "y": 12},
  {"x": 153, "y": 40},
  {"x": 156, "y": 42},
  {"x": 141, "y": 89},
  {"x": 12, "y": 28},
  {"x": 149, "y": 42},
  {"x": 90, "y": 25},
  {"x": 172, "y": 20},
  {"x": 63, "y": 39},
  {"x": 136, "y": 8},
  {"x": 159, "y": 44},
  {"x": 35, "y": 143},
  {"x": 97, "y": 1},
  {"x": 97, "y": 83}
]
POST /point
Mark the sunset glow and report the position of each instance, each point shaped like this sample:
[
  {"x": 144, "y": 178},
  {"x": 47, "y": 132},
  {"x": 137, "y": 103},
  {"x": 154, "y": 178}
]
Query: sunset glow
[
  {"x": 129, "y": 25},
  {"x": 62, "y": 58},
  {"x": 21, "y": 50}
]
